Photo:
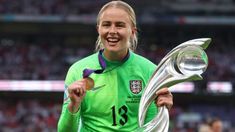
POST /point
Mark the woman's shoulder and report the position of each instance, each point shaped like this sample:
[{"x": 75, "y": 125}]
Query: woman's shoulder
[
  {"x": 143, "y": 65},
  {"x": 140, "y": 60},
  {"x": 90, "y": 60}
]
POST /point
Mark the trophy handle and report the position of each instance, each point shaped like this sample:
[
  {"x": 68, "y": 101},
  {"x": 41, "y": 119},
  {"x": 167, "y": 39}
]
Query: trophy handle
[{"x": 185, "y": 62}]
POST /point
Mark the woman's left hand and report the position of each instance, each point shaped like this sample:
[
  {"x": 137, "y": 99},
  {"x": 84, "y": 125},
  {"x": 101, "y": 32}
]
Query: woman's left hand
[{"x": 164, "y": 97}]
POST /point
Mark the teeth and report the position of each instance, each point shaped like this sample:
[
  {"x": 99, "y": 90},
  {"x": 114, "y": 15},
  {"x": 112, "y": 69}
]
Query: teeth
[{"x": 112, "y": 39}]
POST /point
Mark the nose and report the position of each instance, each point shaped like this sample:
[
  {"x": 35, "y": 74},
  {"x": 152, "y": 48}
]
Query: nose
[{"x": 113, "y": 30}]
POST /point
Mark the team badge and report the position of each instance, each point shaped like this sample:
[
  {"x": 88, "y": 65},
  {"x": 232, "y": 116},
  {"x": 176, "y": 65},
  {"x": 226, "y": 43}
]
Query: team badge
[{"x": 135, "y": 86}]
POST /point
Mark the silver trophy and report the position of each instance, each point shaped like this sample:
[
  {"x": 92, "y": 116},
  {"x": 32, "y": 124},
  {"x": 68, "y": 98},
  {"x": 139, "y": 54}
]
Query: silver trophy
[{"x": 186, "y": 62}]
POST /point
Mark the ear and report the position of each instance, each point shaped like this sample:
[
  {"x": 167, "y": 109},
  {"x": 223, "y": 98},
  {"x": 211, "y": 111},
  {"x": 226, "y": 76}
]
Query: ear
[
  {"x": 134, "y": 31},
  {"x": 97, "y": 28}
]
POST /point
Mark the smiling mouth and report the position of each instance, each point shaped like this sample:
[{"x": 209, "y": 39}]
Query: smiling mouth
[{"x": 113, "y": 40}]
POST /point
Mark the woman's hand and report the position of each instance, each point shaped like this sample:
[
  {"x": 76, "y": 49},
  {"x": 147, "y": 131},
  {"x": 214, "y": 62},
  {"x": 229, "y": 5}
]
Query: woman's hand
[
  {"x": 164, "y": 97},
  {"x": 76, "y": 92}
]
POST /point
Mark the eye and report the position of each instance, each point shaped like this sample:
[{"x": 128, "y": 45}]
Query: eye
[
  {"x": 105, "y": 24},
  {"x": 120, "y": 25}
]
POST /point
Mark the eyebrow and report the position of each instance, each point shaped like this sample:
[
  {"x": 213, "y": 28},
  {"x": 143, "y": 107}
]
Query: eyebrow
[{"x": 118, "y": 22}]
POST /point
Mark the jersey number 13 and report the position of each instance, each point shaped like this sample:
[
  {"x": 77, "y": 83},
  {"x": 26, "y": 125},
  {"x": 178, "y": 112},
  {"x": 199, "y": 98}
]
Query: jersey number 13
[{"x": 122, "y": 111}]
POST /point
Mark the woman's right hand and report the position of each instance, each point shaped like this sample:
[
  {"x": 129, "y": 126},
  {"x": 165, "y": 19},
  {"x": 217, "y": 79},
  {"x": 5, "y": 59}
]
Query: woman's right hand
[{"x": 76, "y": 92}]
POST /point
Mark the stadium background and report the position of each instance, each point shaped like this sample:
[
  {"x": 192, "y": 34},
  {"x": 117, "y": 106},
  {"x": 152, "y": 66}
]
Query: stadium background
[{"x": 39, "y": 40}]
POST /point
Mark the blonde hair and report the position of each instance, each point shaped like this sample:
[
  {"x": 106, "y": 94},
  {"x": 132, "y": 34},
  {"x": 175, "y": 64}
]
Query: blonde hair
[{"x": 122, "y": 5}]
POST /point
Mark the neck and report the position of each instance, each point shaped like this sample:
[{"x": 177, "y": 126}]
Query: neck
[{"x": 115, "y": 56}]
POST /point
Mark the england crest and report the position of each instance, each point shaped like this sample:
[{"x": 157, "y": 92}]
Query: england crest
[{"x": 135, "y": 86}]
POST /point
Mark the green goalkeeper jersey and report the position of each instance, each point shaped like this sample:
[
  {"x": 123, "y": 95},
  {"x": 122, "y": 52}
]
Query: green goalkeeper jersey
[{"x": 114, "y": 106}]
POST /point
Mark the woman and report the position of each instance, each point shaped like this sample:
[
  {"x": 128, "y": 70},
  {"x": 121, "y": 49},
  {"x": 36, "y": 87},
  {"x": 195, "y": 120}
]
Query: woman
[
  {"x": 216, "y": 125},
  {"x": 121, "y": 79}
]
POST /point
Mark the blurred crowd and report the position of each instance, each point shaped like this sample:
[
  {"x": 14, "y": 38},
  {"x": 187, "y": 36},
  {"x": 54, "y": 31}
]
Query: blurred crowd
[
  {"x": 29, "y": 116},
  {"x": 36, "y": 61},
  {"x": 41, "y": 60},
  {"x": 74, "y": 7},
  {"x": 48, "y": 7},
  {"x": 42, "y": 116},
  {"x": 195, "y": 116}
]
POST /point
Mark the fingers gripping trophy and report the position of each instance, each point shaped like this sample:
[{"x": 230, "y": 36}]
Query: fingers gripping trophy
[{"x": 186, "y": 62}]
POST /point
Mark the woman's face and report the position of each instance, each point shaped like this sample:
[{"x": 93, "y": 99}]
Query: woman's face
[
  {"x": 217, "y": 126},
  {"x": 115, "y": 29}
]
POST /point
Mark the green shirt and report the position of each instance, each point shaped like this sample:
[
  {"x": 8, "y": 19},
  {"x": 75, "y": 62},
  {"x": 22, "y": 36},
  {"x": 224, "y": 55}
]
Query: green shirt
[{"x": 113, "y": 107}]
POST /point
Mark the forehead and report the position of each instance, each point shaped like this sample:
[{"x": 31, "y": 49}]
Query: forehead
[{"x": 115, "y": 14}]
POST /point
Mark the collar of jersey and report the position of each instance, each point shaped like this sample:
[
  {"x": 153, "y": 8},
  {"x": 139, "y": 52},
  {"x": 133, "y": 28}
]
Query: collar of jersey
[
  {"x": 113, "y": 63},
  {"x": 105, "y": 64}
]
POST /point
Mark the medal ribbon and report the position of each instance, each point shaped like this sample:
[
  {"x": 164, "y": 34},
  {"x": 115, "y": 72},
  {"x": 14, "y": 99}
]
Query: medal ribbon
[{"x": 87, "y": 72}]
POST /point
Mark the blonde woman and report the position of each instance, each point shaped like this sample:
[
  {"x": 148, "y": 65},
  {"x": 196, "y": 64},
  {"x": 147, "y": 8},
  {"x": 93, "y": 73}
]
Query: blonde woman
[{"x": 119, "y": 74}]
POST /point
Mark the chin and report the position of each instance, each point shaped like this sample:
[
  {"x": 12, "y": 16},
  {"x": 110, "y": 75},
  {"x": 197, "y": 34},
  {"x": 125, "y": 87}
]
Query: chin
[{"x": 113, "y": 49}]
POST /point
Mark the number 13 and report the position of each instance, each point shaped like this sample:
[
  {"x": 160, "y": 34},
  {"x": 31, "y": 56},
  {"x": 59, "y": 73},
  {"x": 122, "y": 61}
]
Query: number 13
[{"x": 122, "y": 111}]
